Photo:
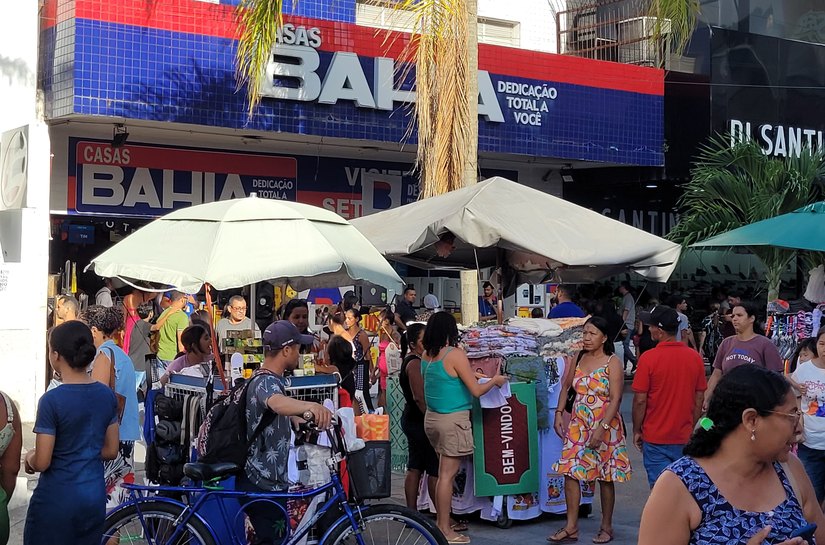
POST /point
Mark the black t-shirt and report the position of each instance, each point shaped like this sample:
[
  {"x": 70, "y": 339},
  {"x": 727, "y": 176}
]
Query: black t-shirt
[
  {"x": 405, "y": 311},
  {"x": 411, "y": 411}
]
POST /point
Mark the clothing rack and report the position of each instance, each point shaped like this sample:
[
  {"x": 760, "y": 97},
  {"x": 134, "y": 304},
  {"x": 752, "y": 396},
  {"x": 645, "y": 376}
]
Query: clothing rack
[{"x": 787, "y": 329}]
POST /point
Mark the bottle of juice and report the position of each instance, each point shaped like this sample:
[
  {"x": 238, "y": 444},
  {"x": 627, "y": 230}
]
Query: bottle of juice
[{"x": 309, "y": 365}]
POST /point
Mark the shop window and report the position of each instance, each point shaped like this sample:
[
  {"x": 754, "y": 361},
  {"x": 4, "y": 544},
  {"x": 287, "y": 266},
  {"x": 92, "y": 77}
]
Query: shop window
[
  {"x": 385, "y": 16},
  {"x": 498, "y": 32}
]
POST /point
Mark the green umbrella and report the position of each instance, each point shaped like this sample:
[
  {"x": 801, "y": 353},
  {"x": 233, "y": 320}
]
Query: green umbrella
[{"x": 802, "y": 229}]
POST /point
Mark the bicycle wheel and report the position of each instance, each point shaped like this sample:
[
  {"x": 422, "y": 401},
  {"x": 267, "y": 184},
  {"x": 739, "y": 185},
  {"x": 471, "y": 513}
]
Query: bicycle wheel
[
  {"x": 153, "y": 526},
  {"x": 385, "y": 524}
]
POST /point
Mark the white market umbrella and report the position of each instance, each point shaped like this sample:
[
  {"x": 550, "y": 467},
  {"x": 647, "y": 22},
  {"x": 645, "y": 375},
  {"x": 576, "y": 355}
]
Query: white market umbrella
[
  {"x": 537, "y": 233},
  {"x": 235, "y": 243}
]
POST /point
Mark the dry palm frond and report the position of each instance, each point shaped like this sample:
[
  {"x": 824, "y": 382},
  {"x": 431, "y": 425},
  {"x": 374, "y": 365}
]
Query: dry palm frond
[
  {"x": 438, "y": 51},
  {"x": 260, "y": 21}
]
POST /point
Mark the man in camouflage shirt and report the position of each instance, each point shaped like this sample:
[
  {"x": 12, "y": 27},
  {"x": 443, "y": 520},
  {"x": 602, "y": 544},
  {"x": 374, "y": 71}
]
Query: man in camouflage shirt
[{"x": 267, "y": 461}]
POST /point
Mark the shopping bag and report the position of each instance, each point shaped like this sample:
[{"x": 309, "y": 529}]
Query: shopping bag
[
  {"x": 373, "y": 427},
  {"x": 393, "y": 356}
]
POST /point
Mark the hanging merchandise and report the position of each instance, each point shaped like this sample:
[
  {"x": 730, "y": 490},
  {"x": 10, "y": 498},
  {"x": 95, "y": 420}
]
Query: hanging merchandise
[
  {"x": 532, "y": 352},
  {"x": 815, "y": 292},
  {"x": 785, "y": 330}
]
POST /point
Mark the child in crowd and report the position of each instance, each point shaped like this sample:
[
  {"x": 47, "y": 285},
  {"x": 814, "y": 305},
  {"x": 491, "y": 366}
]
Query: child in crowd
[
  {"x": 76, "y": 429},
  {"x": 805, "y": 351},
  {"x": 386, "y": 335}
]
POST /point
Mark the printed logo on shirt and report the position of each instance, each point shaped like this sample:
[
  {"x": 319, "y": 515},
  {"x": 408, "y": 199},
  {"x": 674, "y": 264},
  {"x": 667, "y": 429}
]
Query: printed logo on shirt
[
  {"x": 740, "y": 354},
  {"x": 815, "y": 398}
]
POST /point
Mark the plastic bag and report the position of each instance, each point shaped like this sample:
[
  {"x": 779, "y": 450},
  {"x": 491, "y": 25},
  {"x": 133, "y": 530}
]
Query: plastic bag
[
  {"x": 393, "y": 356},
  {"x": 347, "y": 417},
  {"x": 373, "y": 427},
  {"x": 312, "y": 464}
]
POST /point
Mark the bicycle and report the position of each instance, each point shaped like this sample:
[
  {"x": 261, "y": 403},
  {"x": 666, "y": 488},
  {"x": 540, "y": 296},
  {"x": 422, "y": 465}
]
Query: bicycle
[{"x": 153, "y": 516}]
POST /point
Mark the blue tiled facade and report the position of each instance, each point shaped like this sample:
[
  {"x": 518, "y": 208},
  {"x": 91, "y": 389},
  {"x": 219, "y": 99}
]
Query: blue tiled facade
[
  {"x": 331, "y": 10},
  {"x": 160, "y": 72}
]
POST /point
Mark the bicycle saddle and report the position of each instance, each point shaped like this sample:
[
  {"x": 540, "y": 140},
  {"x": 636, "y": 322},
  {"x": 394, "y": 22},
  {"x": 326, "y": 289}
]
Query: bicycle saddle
[{"x": 207, "y": 472}]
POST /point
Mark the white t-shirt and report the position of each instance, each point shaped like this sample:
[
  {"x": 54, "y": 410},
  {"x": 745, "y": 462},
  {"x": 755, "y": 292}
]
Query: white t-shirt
[
  {"x": 684, "y": 324},
  {"x": 813, "y": 403},
  {"x": 103, "y": 297}
]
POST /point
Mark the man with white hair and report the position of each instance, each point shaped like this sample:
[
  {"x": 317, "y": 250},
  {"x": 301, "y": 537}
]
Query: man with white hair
[
  {"x": 431, "y": 303},
  {"x": 237, "y": 321}
]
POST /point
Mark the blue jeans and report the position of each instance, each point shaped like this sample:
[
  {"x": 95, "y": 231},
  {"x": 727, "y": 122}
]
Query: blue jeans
[
  {"x": 658, "y": 457},
  {"x": 160, "y": 369},
  {"x": 814, "y": 462},
  {"x": 267, "y": 520},
  {"x": 628, "y": 355}
]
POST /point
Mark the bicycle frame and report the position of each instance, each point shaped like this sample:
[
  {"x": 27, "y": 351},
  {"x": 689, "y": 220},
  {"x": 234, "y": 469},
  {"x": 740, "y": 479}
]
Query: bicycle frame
[{"x": 204, "y": 493}]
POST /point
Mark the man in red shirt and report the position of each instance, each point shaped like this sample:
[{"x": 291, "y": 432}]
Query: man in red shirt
[{"x": 668, "y": 391}]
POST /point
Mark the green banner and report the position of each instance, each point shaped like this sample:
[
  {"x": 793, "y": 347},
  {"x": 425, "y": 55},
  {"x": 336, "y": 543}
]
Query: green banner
[{"x": 506, "y": 456}]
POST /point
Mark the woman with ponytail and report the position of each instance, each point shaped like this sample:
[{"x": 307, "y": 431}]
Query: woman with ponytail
[
  {"x": 738, "y": 481},
  {"x": 76, "y": 430}
]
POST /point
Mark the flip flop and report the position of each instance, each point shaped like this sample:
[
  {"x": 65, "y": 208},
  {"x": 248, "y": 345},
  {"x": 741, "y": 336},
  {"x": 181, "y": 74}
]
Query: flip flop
[
  {"x": 459, "y": 526},
  {"x": 602, "y": 531},
  {"x": 567, "y": 537},
  {"x": 460, "y": 539}
]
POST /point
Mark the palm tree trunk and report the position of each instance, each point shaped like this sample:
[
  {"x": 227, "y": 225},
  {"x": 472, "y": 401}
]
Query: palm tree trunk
[
  {"x": 469, "y": 279},
  {"x": 773, "y": 280}
]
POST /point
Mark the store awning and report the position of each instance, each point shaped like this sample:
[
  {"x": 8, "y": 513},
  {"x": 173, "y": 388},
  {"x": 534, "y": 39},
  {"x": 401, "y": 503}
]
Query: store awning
[
  {"x": 535, "y": 233},
  {"x": 802, "y": 229}
]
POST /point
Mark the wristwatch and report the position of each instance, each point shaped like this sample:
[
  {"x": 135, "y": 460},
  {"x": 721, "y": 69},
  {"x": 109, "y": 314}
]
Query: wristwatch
[
  {"x": 605, "y": 426},
  {"x": 308, "y": 416}
]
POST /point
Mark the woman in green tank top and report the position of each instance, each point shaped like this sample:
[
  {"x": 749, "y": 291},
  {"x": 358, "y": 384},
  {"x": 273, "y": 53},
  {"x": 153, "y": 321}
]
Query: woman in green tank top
[{"x": 449, "y": 387}]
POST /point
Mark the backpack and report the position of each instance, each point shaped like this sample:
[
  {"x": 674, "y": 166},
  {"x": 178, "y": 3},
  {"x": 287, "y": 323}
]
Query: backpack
[{"x": 222, "y": 436}]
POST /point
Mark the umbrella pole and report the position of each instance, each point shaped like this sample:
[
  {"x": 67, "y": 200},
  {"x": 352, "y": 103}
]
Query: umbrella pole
[
  {"x": 253, "y": 304},
  {"x": 215, "y": 348}
]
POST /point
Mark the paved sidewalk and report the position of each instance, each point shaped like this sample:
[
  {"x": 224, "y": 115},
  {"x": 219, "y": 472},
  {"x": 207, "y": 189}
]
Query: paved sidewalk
[{"x": 630, "y": 499}]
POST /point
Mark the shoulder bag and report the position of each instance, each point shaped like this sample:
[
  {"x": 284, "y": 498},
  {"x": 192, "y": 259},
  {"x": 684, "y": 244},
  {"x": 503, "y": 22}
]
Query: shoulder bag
[
  {"x": 121, "y": 399},
  {"x": 392, "y": 354}
]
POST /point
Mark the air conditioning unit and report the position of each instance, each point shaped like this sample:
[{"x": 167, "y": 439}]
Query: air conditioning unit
[
  {"x": 635, "y": 45},
  {"x": 582, "y": 32},
  {"x": 606, "y": 50}
]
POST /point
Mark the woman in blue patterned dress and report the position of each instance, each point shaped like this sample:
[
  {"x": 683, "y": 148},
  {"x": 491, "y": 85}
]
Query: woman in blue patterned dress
[{"x": 738, "y": 481}]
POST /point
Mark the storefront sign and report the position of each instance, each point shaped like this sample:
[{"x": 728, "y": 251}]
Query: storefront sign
[
  {"x": 146, "y": 180},
  {"x": 765, "y": 89},
  {"x": 776, "y": 140},
  {"x": 294, "y": 73},
  {"x": 150, "y": 180},
  {"x": 506, "y": 445},
  {"x": 332, "y": 78},
  {"x": 656, "y": 222}
]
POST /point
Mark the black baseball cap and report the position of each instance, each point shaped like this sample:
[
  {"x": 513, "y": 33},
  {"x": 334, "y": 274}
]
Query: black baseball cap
[
  {"x": 283, "y": 333},
  {"x": 662, "y": 317}
]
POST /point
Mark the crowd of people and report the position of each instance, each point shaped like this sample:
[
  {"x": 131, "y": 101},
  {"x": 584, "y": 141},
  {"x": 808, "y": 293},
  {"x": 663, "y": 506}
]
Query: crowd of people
[{"x": 716, "y": 451}]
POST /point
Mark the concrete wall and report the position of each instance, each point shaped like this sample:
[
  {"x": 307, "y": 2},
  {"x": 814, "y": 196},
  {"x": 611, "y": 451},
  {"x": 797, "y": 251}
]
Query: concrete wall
[
  {"x": 536, "y": 18},
  {"x": 24, "y": 231}
]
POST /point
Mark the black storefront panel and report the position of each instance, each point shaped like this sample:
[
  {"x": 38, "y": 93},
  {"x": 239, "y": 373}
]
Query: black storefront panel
[{"x": 768, "y": 89}]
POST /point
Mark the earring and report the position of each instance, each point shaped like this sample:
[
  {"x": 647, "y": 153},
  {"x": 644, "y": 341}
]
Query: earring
[{"x": 753, "y": 435}]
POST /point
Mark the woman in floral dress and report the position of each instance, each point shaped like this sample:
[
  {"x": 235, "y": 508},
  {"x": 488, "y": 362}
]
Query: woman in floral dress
[{"x": 594, "y": 441}]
